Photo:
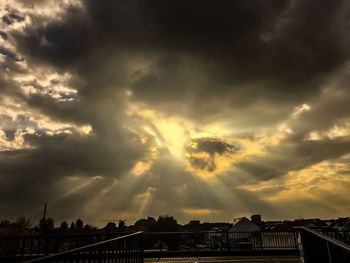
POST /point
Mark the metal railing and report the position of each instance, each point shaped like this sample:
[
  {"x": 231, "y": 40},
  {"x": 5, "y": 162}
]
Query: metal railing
[
  {"x": 34, "y": 246},
  {"x": 317, "y": 247},
  {"x": 125, "y": 249},
  {"x": 158, "y": 244},
  {"x": 220, "y": 241},
  {"x": 343, "y": 235}
]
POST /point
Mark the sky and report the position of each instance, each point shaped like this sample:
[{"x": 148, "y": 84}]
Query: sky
[{"x": 206, "y": 110}]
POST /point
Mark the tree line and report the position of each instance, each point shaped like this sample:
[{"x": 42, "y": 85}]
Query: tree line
[{"x": 23, "y": 226}]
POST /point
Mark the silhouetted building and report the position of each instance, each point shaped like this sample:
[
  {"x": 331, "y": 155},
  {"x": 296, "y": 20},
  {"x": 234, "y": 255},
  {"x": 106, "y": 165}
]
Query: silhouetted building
[
  {"x": 256, "y": 219},
  {"x": 195, "y": 222},
  {"x": 243, "y": 224}
]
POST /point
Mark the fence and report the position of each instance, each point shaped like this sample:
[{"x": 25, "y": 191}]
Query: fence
[
  {"x": 343, "y": 236},
  {"x": 219, "y": 241},
  {"x": 317, "y": 247},
  {"x": 125, "y": 249},
  {"x": 33, "y": 246},
  {"x": 161, "y": 244},
  {"x": 278, "y": 240}
]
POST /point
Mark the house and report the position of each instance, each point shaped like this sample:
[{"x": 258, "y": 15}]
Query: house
[
  {"x": 243, "y": 224},
  {"x": 340, "y": 224},
  {"x": 271, "y": 226},
  {"x": 215, "y": 238},
  {"x": 241, "y": 232}
]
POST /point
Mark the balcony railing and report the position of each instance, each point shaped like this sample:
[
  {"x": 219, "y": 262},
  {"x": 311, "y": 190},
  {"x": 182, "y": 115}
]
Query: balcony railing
[
  {"x": 343, "y": 236},
  {"x": 220, "y": 241},
  {"x": 316, "y": 247},
  {"x": 125, "y": 249},
  {"x": 160, "y": 244},
  {"x": 35, "y": 246}
]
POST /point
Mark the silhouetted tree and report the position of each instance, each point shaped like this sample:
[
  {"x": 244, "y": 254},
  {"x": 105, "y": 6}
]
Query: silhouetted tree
[
  {"x": 122, "y": 225},
  {"x": 79, "y": 224},
  {"x": 110, "y": 227},
  {"x": 72, "y": 227},
  {"x": 147, "y": 225},
  {"x": 46, "y": 225},
  {"x": 22, "y": 226},
  {"x": 64, "y": 226},
  {"x": 89, "y": 227},
  {"x": 42, "y": 225},
  {"x": 50, "y": 223},
  {"x": 4, "y": 223},
  {"x": 5, "y": 227},
  {"x": 167, "y": 223}
]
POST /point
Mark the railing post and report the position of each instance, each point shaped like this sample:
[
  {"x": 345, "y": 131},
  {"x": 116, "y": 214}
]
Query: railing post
[
  {"x": 160, "y": 243},
  {"x": 329, "y": 253},
  {"x": 142, "y": 247},
  {"x": 47, "y": 244},
  {"x": 23, "y": 248},
  {"x": 295, "y": 239},
  {"x": 99, "y": 260},
  {"x": 194, "y": 241},
  {"x": 228, "y": 241}
]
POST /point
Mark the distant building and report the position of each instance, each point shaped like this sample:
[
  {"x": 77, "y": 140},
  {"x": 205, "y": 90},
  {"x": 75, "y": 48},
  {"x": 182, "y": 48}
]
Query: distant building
[
  {"x": 256, "y": 219},
  {"x": 268, "y": 238},
  {"x": 277, "y": 226},
  {"x": 195, "y": 222},
  {"x": 243, "y": 224},
  {"x": 340, "y": 224},
  {"x": 241, "y": 232},
  {"x": 215, "y": 238},
  {"x": 314, "y": 223}
]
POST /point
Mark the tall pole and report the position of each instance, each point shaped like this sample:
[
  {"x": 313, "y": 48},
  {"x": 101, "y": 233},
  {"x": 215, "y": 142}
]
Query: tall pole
[{"x": 44, "y": 231}]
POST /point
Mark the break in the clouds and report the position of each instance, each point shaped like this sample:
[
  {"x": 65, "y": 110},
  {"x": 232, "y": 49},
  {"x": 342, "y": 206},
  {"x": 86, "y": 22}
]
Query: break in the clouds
[{"x": 201, "y": 110}]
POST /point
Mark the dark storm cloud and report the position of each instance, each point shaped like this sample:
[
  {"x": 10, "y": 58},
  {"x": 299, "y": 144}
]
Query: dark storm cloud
[
  {"x": 209, "y": 56},
  {"x": 10, "y": 61},
  {"x": 33, "y": 174},
  {"x": 3, "y": 35},
  {"x": 294, "y": 156},
  {"x": 10, "y": 54},
  {"x": 10, "y": 126},
  {"x": 210, "y": 146},
  {"x": 12, "y": 17},
  {"x": 213, "y": 146},
  {"x": 330, "y": 108},
  {"x": 285, "y": 47}
]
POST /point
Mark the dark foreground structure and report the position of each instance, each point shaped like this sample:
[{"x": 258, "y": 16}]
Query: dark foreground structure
[
  {"x": 301, "y": 245},
  {"x": 317, "y": 247}
]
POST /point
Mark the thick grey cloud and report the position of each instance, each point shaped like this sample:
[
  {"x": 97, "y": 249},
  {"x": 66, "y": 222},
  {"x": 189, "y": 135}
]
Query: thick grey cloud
[
  {"x": 12, "y": 17},
  {"x": 283, "y": 47},
  {"x": 294, "y": 156},
  {"x": 211, "y": 147},
  {"x": 248, "y": 62}
]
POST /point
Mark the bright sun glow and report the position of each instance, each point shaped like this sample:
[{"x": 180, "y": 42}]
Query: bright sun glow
[
  {"x": 174, "y": 135},
  {"x": 179, "y": 137}
]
